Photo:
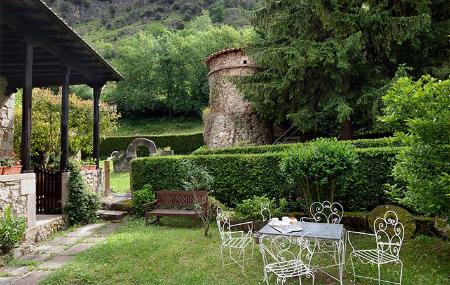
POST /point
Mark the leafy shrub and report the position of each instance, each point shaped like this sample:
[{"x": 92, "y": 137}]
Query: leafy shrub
[
  {"x": 242, "y": 176},
  {"x": 140, "y": 197},
  {"x": 12, "y": 230},
  {"x": 318, "y": 169},
  {"x": 196, "y": 177},
  {"x": 420, "y": 111},
  {"x": 46, "y": 120},
  {"x": 251, "y": 208},
  {"x": 369, "y": 180},
  {"x": 82, "y": 205},
  {"x": 181, "y": 144},
  {"x": 361, "y": 143}
]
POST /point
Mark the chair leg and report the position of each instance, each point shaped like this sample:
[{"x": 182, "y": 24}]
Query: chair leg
[
  {"x": 313, "y": 279},
  {"x": 353, "y": 268},
  {"x": 379, "y": 274},
  {"x": 221, "y": 254},
  {"x": 401, "y": 272}
]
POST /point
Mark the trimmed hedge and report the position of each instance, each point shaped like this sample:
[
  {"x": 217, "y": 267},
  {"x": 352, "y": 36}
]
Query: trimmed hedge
[
  {"x": 242, "y": 176},
  {"x": 361, "y": 143},
  {"x": 181, "y": 144}
]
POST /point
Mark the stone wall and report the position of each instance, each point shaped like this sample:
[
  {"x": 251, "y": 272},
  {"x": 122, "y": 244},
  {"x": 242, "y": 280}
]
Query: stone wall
[
  {"x": 231, "y": 119},
  {"x": 95, "y": 180},
  {"x": 6, "y": 120},
  {"x": 19, "y": 191}
]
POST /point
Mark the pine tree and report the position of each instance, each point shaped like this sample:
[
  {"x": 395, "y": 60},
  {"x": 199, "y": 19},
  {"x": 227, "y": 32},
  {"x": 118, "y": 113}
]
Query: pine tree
[{"x": 328, "y": 62}]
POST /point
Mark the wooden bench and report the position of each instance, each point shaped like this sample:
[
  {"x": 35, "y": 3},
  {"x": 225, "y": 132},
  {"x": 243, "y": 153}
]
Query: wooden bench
[{"x": 176, "y": 204}]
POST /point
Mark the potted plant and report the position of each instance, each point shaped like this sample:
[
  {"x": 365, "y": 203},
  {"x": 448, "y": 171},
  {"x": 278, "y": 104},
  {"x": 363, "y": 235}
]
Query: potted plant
[
  {"x": 88, "y": 164},
  {"x": 11, "y": 166},
  {"x": 166, "y": 151},
  {"x": 1, "y": 166}
]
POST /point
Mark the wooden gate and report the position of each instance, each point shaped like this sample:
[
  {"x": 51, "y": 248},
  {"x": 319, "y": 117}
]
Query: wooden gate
[{"x": 48, "y": 191}]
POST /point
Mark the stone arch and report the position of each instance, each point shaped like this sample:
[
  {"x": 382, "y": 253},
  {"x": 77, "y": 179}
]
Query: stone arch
[{"x": 132, "y": 147}]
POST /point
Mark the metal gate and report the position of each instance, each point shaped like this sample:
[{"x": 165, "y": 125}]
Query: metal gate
[{"x": 48, "y": 191}]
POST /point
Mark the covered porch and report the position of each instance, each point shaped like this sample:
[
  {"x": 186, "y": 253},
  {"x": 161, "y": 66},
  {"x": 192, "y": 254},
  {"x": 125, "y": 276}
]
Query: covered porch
[{"x": 37, "y": 49}]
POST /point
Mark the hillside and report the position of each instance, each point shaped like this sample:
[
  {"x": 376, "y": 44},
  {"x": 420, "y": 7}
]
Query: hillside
[{"x": 110, "y": 20}]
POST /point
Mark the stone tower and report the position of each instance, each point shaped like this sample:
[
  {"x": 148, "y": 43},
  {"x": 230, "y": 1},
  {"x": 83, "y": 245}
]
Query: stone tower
[{"x": 231, "y": 120}]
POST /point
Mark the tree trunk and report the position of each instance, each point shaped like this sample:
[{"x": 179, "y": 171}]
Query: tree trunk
[{"x": 346, "y": 130}]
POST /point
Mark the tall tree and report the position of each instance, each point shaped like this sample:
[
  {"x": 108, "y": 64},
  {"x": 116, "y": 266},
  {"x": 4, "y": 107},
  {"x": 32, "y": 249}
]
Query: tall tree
[{"x": 327, "y": 62}]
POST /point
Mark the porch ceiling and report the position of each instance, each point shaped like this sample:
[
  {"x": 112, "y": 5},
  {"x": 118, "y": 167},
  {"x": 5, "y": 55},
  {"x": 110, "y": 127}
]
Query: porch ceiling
[{"x": 56, "y": 46}]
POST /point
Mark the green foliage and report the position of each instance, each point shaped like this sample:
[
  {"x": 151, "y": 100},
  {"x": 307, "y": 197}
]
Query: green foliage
[
  {"x": 140, "y": 197},
  {"x": 12, "y": 230},
  {"x": 361, "y": 143},
  {"x": 372, "y": 174},
  {"x": 242, "y": 176},
  {"x": 196, "y": 177},
  {"x": 420, "y": 111},
  {"x": 316, "y": 170},
  {"x": 82, "y": 206},
  {"x": 45, "y": 140},
  {"x": 329, "y": 62},
  {"x": 168, "y": 76},
  {"x": 181, "y": 144},
  {"x": 251, "y": 208}
]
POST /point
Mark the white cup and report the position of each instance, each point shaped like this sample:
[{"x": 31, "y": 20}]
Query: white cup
[
  {"x": 275, "y": 220},
  {"x": 285, "y": 219}
]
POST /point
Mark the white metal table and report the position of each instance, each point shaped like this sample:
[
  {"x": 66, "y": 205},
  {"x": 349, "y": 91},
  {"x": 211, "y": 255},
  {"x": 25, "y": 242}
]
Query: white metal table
[{"x": 320, "y": 232}]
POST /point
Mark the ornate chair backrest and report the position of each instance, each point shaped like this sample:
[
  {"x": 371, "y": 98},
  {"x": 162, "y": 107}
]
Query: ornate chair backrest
[
  {"x": 389, "y": 234},
  {"x": 327, "y": 212},
  {"x": 265, "y": 212},
  {"x": 223, "y": 224},
  {"x": 285, "y": 248}
]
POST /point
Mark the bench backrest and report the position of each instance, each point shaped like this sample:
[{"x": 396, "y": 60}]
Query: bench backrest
[{"x": 173, "y": 198}]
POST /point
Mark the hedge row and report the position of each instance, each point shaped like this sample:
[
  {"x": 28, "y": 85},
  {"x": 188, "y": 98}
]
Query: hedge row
[
  {"x": 361, "y": 143},
  {"x": 181, "y": 144},
  {"x": 241, "y": 176}
]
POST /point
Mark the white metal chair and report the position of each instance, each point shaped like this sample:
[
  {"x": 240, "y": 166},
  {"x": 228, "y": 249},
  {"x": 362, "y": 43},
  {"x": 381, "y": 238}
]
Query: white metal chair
[
  {"x": 330, "y": 213},
  {"x": 325, "y": 212},
  {"x": 286, "y": 257},
  {"x": 265, "y": 212},
  {"x": 388, "y": 234},
  {"x": 234, "y": 240}
]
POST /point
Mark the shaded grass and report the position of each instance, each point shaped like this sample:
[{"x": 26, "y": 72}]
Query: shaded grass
[
  {"x": 159, "y": 126},
  {"x": 170, "y": 254}
]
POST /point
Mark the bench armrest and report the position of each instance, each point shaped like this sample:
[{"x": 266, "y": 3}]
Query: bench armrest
[{"x": 147, "y": 205}]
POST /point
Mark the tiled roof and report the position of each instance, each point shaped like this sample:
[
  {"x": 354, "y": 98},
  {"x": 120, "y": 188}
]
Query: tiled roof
[{"x": 221, "y": 52}]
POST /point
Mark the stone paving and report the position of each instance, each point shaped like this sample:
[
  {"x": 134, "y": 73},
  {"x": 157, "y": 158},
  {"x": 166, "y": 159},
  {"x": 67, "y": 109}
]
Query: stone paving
[{"x": 54, "y": 253}]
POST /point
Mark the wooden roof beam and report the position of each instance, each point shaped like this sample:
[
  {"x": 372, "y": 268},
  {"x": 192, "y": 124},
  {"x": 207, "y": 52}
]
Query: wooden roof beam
[{"x": 50, "y": 47}]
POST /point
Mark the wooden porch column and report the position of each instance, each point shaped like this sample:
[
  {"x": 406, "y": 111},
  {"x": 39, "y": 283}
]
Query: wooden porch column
[
  {"x": 26, "y": 108},
  {"x": 96, "y": 135},
  {"x": 64, "y": 161}
]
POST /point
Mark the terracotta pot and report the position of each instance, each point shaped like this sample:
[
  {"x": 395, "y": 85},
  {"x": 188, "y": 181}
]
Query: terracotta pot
[
  {"x": 12, "y": 170},
  {"x": 88, "y": 167},
  {"x": 1, "y": 169}
]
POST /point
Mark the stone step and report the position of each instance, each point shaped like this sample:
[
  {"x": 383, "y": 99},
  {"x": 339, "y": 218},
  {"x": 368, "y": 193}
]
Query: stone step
[
  {"x": 117, "y": 203},
  {"x": 110, "y": 215}
]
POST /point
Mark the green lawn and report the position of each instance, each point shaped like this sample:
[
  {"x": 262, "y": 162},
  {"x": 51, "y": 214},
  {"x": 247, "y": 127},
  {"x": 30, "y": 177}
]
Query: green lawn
[
  {"x": 159, "y": 126},
  {"x": 120, "y": 182},
  {"x": 171, "y": 254}
]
